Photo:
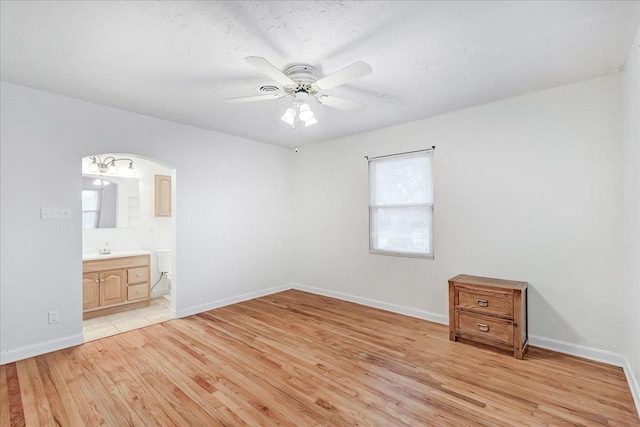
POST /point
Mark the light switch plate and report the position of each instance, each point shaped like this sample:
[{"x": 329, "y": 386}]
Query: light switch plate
[{"x": 55, "y": 213}]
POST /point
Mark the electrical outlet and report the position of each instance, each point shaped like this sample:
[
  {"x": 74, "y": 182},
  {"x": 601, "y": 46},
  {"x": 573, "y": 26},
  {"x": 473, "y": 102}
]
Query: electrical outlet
[{"x": 54, "y": 317}]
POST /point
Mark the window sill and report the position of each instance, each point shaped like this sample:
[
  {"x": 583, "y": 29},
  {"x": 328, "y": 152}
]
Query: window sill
[{"x": 400, "y": 254}]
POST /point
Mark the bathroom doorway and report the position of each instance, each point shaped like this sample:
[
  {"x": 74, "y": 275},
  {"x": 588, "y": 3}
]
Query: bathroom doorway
[{"x": 128, "y": 243}]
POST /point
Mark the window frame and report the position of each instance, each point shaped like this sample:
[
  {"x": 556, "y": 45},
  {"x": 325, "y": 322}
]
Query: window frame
[{"x": 430, "y": 206}]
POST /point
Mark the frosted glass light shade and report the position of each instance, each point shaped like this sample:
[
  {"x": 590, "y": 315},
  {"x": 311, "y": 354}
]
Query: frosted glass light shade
[
  {"x": 305, "y": 113},
  {"x": 289, "y": 116}
]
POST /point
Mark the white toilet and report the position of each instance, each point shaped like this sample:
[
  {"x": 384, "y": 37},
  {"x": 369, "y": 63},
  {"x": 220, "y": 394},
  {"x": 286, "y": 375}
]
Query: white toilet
[{"x": 164, "y": 264}]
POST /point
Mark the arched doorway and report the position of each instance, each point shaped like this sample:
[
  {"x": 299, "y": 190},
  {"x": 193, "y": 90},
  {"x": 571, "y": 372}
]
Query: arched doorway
[{"x": 128, "y": 243}]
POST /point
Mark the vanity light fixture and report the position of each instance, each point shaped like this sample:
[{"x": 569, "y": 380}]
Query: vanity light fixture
[{"x": 108, "y": 165}]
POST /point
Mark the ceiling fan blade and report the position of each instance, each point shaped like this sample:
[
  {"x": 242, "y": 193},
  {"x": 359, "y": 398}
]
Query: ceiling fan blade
[
  {"x": 253, "y": 98},
  {"x": 352, "y": 72},
  {"x": 268, "y": 68},
  {"x": 341, "y": 104}
]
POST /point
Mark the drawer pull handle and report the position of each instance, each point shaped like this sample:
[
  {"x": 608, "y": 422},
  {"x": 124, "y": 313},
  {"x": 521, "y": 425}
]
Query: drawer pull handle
[
  {"x": 483, "y": 303},
  {"x": 482, "y": 327}
]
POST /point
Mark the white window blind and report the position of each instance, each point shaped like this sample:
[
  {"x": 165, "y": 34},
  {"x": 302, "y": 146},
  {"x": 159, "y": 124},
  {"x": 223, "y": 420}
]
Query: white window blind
[{"x": 401, "y": 205}]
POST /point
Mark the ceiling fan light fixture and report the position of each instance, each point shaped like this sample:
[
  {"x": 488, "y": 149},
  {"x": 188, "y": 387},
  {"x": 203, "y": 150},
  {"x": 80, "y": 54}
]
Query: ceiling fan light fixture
[
  {"x": 289, "y": 117},
  {"x": 305, "y": 113}
]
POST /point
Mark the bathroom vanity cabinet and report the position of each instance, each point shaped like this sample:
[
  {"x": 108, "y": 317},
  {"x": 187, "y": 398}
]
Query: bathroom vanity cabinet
[{"x": 115, "y": 284}]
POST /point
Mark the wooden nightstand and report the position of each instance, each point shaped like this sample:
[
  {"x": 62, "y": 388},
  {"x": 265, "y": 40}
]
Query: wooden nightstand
[{"x": 489, "y": 311}]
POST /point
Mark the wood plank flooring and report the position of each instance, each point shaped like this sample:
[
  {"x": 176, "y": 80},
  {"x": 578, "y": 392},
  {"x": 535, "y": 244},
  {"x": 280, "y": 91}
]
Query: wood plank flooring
[{"x": 297, "y": 359}]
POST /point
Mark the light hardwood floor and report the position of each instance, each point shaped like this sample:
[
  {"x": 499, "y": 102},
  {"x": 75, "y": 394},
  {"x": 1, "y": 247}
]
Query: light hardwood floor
[{"x": 297, "y": 359}]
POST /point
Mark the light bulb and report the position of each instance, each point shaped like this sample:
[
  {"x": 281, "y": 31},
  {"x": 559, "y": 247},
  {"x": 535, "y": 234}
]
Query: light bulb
[
  {"x": 289, "y": 116},
  {"x": 310, "y": 122},
  {"x": 305, "y": 113},
  {"x": 93, "y": 167}
]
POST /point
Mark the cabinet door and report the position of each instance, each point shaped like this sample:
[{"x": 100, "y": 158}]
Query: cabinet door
[
  {"x": 163, "y": 195},
  {"x": 113, "y": 287},
  {"x": 90, "y": 290}
]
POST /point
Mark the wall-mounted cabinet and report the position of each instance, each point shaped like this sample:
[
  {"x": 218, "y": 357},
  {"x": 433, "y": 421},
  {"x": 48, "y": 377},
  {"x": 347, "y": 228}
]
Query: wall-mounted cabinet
[
  {"x": 115, "y": 284},
  {"x": 162, "y": 195}
]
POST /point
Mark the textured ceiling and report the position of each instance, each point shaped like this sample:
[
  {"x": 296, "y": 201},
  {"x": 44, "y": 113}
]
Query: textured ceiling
[{"x": 179, "y": 60}]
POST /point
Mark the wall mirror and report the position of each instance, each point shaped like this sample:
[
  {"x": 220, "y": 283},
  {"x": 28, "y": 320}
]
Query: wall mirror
[{"x": 110, "y": 202}]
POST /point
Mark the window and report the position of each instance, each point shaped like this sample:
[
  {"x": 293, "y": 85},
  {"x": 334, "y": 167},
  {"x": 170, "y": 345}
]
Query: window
[
  {"x": 90, "y": 208},
  {"x": 401, "y": 205}
]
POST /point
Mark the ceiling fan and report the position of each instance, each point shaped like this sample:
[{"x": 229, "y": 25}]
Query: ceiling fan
[{"x": 299, "y": 82}]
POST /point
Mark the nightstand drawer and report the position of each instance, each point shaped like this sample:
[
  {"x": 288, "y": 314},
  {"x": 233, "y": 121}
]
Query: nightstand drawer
[
  {"x": 485, "y": 327},
  {"x": 495, "y": 304},
  {"x": 135, "y": 292}
]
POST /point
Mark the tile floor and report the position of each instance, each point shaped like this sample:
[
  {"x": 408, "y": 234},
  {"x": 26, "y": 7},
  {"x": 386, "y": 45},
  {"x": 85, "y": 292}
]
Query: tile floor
[{"x": 100, "y": 327}]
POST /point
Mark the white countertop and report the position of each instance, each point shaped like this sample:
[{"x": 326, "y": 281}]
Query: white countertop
[{"x": 114, "y": 254}]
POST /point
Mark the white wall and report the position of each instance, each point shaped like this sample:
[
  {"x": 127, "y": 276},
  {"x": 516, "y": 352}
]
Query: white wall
[
  {"x": 152, "y": 233},
  {"x": 527, "y": 188},
  {"x": 631, "y": 171},
  {"x": 232, "y": 198}
]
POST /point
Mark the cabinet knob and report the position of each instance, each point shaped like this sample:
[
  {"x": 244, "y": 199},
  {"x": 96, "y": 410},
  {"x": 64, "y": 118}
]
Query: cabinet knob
[
  {"x": 138, "y": 292},
  {"x": 97, "y": 280},
  {"x": 102, "y": 280},
  {"x": 138, "y": 275}
]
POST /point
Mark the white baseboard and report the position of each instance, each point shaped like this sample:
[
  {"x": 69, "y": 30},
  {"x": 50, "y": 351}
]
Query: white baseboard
[
  {"x": 590, "y": 353},
  {"x": 228, "y": 301},
  {"x": 159, "y": 292},
  {"x": 40, "y": 348},
  {"x": 394, "y": 308},
  {"x": 634, "y": 385}
]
